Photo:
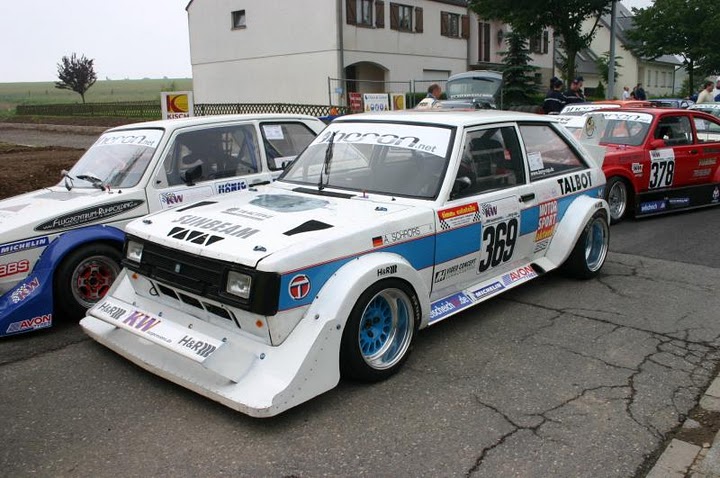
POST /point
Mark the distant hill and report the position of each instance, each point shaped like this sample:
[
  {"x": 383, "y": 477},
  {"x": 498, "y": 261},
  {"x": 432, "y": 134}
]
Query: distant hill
[{"x": 13, "y": 94}]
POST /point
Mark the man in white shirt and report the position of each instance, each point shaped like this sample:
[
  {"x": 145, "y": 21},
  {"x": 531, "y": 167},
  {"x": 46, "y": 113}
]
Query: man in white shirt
[
  {"x": 626, "y": 93},
  {"x": 706, "y": 95}
]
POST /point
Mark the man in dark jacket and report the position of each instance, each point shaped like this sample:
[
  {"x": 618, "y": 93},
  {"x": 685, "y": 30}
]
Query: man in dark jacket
[
  {"x": 554, "y": 99},
  {"x": 575, "y": 94}
]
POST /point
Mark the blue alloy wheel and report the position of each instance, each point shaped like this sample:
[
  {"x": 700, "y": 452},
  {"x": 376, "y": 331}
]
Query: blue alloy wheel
[
  {"x": 386, "y": 329},
  {"x": 596, "y": 244}
]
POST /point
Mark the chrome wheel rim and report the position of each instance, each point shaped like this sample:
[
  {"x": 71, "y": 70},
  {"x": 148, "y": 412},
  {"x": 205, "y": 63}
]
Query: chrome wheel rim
[
  {"x": 92, "y": 279},
  {"x": 596, "y": 244},
  {"x": 386, "y": 329},
  {"x": 617, "y": 200}
]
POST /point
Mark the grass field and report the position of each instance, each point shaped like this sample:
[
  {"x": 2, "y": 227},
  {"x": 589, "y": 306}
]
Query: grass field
[{"x": 13, "y": 94}]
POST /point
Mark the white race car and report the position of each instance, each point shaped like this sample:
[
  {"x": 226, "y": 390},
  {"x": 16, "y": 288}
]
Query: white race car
[
  {"x": 385, "y": 224},
  {"x": 60, "y": 247}
]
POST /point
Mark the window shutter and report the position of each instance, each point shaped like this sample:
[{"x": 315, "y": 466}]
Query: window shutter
[
  {"x": 486, "y": 36},
  {"x": 351, "y": 12},
  {"x": 465, "y": 29},
  {"x": 379, "y": 14},
  {"x": 418, "y": 19},
  {"x": 444, "y": 20},
  {"x": 394, "y": 16},
  {"x": 546, "y": 41}
]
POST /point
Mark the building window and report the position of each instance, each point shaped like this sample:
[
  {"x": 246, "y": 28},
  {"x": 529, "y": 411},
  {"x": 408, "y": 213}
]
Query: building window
[
  {"x": 401, "y": 17},
  {"x": 540, "y": 43},
  {"x": 450, "y": 24},
  {"x": 483, "y": 42},
  {"x": 238, "y": 19},
  {"x": 664, "y": 79},
  {"x": 656, "y": 78},
  {"x": 649, "y": 79},
  {"x": 359, "y": 12}
]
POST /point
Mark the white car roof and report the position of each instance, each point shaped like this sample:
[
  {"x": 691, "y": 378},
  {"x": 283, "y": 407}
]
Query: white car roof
[
  {"x": 172, "y": 124},
  {"x": 448, "y": 118}
]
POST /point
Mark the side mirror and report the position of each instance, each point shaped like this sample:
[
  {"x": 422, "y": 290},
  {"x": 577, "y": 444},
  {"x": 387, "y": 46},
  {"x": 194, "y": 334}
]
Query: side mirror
[
  {"x": 276, "y": 164},
  {"x": 192, "y": 174},
  {"x": 657, "y": 144}
]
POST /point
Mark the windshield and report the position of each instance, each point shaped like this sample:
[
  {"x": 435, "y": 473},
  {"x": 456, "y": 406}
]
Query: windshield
[
  {"x": 625, "y": 128},
  {"x": 384, "y": 158},
  {"x": 117, "y": 159},
  {"x": 475, "y": 86}
]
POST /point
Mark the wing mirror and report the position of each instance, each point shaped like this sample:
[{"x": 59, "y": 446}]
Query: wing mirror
[
  {"x": 461, "y": 184},
  {"x": 657, "y": 144},
  {"x": 191, "y": 175}
]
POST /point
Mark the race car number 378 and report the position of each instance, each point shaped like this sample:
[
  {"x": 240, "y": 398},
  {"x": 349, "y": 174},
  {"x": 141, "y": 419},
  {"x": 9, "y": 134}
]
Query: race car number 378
[{"x": 662, "y": 168}]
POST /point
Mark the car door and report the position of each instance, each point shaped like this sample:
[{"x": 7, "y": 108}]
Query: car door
[
  {"x": 558, "y": 174},
  {"x": 673, "y": 165},
  {"x": 481, "y": 234},
  {"x": 205, "y": 161},
  {"x": 708, "y": 138}
]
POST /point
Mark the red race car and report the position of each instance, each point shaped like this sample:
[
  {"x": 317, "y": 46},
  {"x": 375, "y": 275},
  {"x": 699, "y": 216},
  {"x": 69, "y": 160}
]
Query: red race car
[{"x": 657, "y": 160}]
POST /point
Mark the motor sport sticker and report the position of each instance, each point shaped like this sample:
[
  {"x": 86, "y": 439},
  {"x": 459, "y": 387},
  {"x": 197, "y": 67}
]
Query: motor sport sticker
[
  {"x": 449, "y": 305},
  {"x": 402, "y": 235},
  {"x": 12, "y": 268},
  {"x": 428, "y": 139},
  {"x": 186, "y": 342},
  {"x": 40, "y": 322},
  {"x": 546, "y": 220},
  {"x": 148, "y": 138},
  {"x": 13, "y": 247},
  {"x": 22, "y": 291},
  {"x": 499, "y": 210},
  {"x": 91, "y": 214},
  {"x": 662, "y": 168},
  {"x": 459, "y": 216}
]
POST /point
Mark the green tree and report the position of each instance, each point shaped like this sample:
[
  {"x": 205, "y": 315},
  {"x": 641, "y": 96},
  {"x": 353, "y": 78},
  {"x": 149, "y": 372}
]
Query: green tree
[
  {"x": 76, "y": 74},
  {"x": 565, "y": 17},
  {"x": 687, "y": 28},
  {"x": 603, "y": 64},
  {"x": 518, "y": 84}
]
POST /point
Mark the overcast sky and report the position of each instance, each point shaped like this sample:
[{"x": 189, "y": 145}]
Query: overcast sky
[{"x": 127, "y": 38}]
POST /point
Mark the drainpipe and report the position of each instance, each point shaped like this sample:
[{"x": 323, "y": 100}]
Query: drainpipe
[
  {"x": 611, "y": 57},
  {"x": 340, "y": 49}
]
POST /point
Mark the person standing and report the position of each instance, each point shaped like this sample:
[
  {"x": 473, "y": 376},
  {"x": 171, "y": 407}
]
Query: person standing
[
  {"x": 575, "y": 94},
  {"x": 554, "y": 99},
  {"x": 716, "y": 91},
  {"x": 640, "y": 93},
  {"x": 434, "y": 91},
  {"x": 626, "y": 93},
  {"x": 706, "y": 95}
]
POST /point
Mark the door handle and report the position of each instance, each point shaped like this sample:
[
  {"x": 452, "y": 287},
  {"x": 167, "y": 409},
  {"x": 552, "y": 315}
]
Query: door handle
[{"x": 527, "y": 197}]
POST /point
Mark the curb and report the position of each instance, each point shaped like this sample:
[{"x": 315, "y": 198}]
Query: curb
[
  {"x": 57, "y": 128},
  {"x": 683, "y": 459}
]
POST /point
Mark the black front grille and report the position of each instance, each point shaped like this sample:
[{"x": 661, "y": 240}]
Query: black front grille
[{"x": 205, "y": 277}]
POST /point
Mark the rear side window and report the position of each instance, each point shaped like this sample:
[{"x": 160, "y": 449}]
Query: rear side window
[
  {"x": 284, "y": 140},
  {"x": 547, "y": 152},
  {"x": 674, "y": 130}
]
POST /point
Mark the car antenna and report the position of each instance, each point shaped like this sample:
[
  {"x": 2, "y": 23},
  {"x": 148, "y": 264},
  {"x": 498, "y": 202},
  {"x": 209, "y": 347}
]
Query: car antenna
[
  {"x": 68, "y": 179},
  {"x": 326, "y": 164}
]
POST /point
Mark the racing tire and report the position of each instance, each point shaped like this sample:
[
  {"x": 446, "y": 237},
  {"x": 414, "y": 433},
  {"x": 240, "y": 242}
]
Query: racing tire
[
  {"x": 84, "y": 277},
  {"x": 617, "y": 195},
  {"x": 379, "y": 332},
  {"x": 591, "y": 248}
]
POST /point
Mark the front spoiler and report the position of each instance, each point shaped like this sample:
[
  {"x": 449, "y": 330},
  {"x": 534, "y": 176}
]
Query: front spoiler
[{"x": 243, "y": 373}]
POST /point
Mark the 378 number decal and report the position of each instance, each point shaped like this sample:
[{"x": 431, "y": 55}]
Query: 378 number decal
[
  {"x": 662, "y": 169},
  {"x": 499, "y": 241},
  {"x": 14, "y": 268}
]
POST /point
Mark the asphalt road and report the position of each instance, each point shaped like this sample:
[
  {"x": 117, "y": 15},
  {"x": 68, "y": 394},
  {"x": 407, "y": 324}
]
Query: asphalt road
[{"x": 556, "y": 378}]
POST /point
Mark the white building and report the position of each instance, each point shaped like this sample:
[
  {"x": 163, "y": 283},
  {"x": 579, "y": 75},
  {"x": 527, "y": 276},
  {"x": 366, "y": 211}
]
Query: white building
[{"x": 269, "y": 51}]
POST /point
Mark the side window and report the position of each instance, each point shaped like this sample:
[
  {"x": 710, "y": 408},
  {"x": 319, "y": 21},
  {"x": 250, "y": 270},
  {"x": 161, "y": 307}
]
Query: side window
[
  {"x": 675, "y": 130},
  {"x": 547, "y": 152},
  {"x": 491, "y": 159},
  {"x": 284, "y": 141},
  {"x": 707, "y": 131},
  {"x": 219, "y": 152}
]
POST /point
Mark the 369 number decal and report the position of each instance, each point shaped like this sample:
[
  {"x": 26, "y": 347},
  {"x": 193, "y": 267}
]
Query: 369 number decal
[
  {"x": 499, "y": 243},
  {"x": 662, "y": 168},
  {"x": 14, "y": 268}
]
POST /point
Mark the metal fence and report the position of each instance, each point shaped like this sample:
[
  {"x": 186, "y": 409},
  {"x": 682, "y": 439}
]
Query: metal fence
[{"x": 151, "y": 109}]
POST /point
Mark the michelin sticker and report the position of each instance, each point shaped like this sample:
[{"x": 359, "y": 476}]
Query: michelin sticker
[
  {"x": 13, "y": 247},
  {"x": 427, "y": 139}
]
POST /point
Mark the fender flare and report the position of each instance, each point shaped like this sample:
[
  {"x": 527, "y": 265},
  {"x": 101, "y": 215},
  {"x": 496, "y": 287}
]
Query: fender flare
[
  {"x": 569, "y": 229},
  {"x": 621, "y": 173},
  {"x": 37, "y": 288}
]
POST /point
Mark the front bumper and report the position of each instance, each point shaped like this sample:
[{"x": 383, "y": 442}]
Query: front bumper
[{"x": 232, "y": 368}]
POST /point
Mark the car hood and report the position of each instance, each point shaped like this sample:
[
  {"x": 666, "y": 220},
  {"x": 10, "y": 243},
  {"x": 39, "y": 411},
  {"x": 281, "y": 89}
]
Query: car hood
[
  {"x": 55, "y": 209},
  {"x": 281, "y": 228}
]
